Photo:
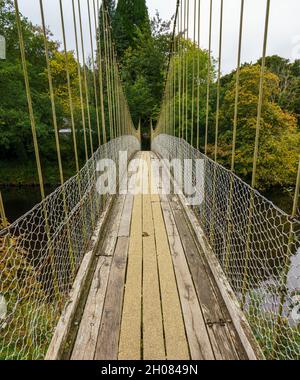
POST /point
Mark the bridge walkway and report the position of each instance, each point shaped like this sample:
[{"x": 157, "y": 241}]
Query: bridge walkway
[{"x": 152, "y": 294}]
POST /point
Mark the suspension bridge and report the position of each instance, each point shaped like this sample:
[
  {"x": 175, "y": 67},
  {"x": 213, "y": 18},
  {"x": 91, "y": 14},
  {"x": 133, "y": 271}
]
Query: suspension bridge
[{"x": 145, "y": 273}]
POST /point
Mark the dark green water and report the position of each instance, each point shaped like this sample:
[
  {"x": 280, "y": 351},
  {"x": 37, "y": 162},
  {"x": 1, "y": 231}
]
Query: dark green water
[
  {"x": 19, "y": 200},
  {"x": 281, "y": 199}
]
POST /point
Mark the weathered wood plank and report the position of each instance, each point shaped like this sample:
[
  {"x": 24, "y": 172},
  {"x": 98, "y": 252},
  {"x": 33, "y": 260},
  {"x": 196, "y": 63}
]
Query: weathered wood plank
[
  {"x": 153, "y": 339},
  {"x": 125, "y": 224},
  {"x": 108, "y": 338},
  {"x": 154, "y": 179},
  {"x": 85, "y": 344},
  {"x": 64, "y": 325},
  {"x": 175, "y": 338},
  {"x": 145, "y": 174},
  {"x": 197, "y": 334},
  {"x": 111, "y": 228},
  {"x": 169, "y": 220},
  {"x": 219, "y": 335},
  {"x": 116, "y": 215},
  {"x": 250, "y": 347},
  {"x": 130, "y": 337}
]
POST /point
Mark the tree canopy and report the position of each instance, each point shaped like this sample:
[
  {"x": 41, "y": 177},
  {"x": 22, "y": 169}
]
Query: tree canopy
[
  {"x": 279, "y": 138},
  {"x": 130, "y": 18},
  {"x": 15, "y": 128}
]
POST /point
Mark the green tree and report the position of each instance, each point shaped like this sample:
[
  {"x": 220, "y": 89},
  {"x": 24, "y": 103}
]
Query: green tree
[
  {"x": 288, "y": 73},
  {"x": 143, "y": 70},
  {"x": 16, "y": 146},
  {"x": 193, "y": 90},
  {"x": 130, "y": 18},
  {"x": 279, "y": 138},
  {"x": 15, "y": 132}
]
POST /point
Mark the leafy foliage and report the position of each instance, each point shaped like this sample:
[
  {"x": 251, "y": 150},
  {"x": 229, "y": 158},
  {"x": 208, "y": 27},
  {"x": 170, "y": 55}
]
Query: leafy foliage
[
  {"x": 279, "y": 138},
  {"x": 143, "y": 71},
  {"x": 144, "y": 52},
  {"x": 131, "y": 17},
  {"x": 15, "y": 128},
  {"x": 194, "y": 102},
  {"x": 288, "y": 73}
]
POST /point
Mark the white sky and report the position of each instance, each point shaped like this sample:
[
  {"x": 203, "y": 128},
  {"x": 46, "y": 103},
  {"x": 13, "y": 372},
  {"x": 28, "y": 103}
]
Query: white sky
[{"x": 284, "y": 32}]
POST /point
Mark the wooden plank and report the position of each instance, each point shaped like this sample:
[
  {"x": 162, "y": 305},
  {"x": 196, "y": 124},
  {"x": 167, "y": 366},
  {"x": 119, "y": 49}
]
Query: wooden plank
[
  {"x": 154, "y": 179},
  {"x": 108, "y": 338},
  {"x": 111, "y": 228},
  {"x": 145, "y": 174},
  {"x": 130, "y": 337},
  {"x": 219, "y": 335},
  {"x": 160, "y": 183},
  {"x": 125, "y": 224},
  {"x": 153, "y": 339},
  {"x": 169, "y": 220},
  {"x": 197, "y": 334},
  {"x": 65, "y": 322},
  {"x": 241, "y": 325},
  {"x": 85, "y": 344},
  {"x": 116, "y": 216},
  {"x": 134, "y": 176},
  {"x": 175, "y": 338}
]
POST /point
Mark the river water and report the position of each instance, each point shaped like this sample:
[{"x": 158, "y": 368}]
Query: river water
[{"x": 19, "y": 200}]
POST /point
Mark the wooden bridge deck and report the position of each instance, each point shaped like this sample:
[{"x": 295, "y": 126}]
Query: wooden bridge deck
[{"x": 153, "y": 294}]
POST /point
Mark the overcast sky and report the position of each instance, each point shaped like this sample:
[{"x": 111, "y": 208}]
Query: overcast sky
[{"x": 284, "y": 32}]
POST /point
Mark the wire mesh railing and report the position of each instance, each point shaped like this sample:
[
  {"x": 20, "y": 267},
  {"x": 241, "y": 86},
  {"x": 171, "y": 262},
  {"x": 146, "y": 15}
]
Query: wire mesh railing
[
  {"x": 257, "y": 245},
  {"x": 41, "y": 253}
]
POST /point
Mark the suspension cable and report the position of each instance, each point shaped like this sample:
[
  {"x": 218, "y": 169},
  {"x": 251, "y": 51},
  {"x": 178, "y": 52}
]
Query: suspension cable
[
  {"x": 198, "y": 75},
  {"x": 94, "y": 72},
  {"x": 237, "y": 88},
  {"x": 260, "y": 101},
  {"x": 85, "y": 79},
  {"x": 80, "y": 87},
  {"x": 187, "y": 70},
  {"x": 99, "y": 46},
  {"x": 218, "y": 82},
  {"x": 2, "y": 213},
  {"x": 105, "y": 31},
  {"x": 29, "y": 101},
  {"x": 208, "y": 75},
  {"x": 193, "y": 73}
]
